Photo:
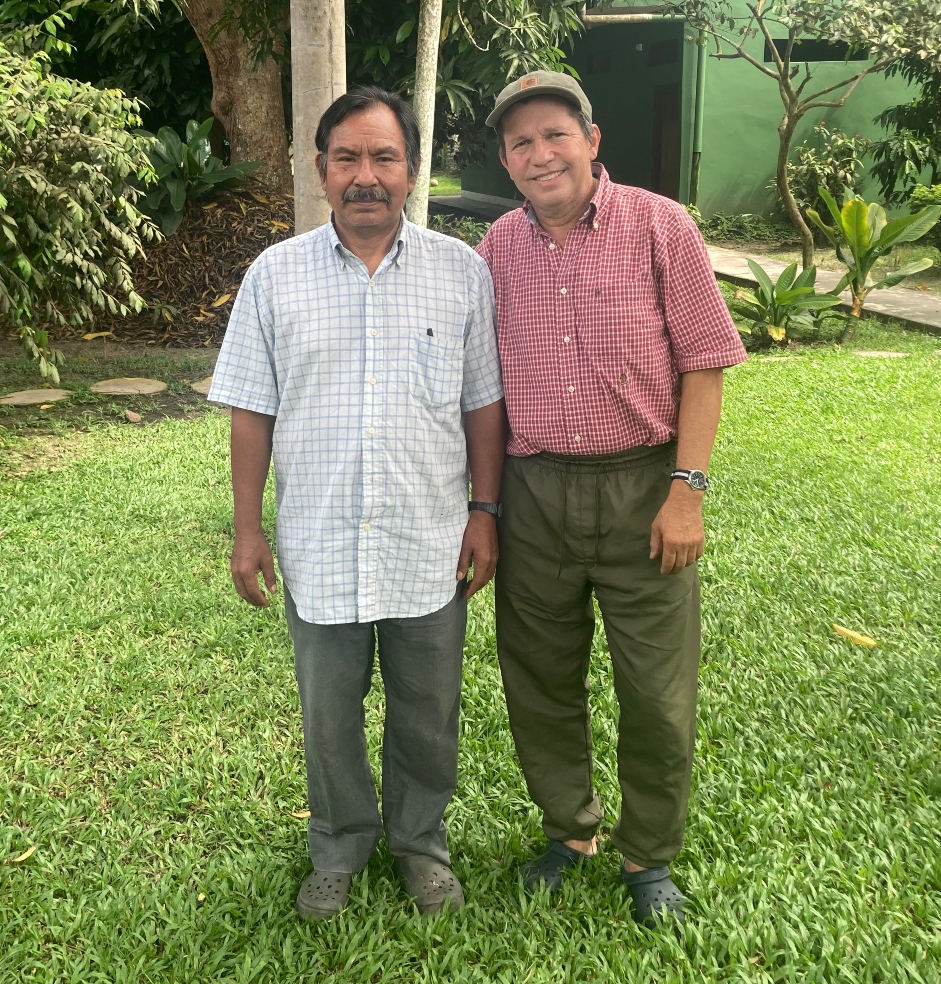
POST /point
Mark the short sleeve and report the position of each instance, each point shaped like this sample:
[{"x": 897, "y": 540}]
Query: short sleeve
[
  {"x": 245, "y": 375},
  {"x": 702, "y": 333},
  {"x": 482, "y": 380},
  {"x": 485, "y": 248}
]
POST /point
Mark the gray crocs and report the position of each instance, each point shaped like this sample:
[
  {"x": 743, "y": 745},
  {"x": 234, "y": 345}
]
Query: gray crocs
[
  {"x": 655, "y": 895},
  {"x": 430, "y": 883},
  {"x": 323, "y": 894}
]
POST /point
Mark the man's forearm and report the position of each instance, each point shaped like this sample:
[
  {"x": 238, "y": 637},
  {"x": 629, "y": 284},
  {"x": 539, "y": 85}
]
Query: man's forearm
[
  {"x": 485, "y": 432},
  {"x": 251, "y": 459},
  {"x": 700, "y": 407}
]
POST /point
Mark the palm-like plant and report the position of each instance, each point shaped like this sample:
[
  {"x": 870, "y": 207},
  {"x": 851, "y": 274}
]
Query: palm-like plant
[
  {"x": 776, "y": 306},
  {"x": 187, "y": 169},
  {"x": 862, "y": 235}
]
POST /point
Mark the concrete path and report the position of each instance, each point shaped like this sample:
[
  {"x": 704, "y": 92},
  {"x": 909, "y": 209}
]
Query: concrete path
[{"x": 922, "y": 308}]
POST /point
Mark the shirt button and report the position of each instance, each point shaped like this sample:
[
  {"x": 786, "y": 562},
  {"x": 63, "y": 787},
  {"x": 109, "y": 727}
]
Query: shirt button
[
  {"x": 551, "y": 245},
  {"x": 372, "y": 284},
  {"x": 622, "y": 378},
  {"x": 367, "y": 527},
  {"x": 372, "y": 430},
  {"x": 566, "y": 339},
  {"x": 571, "y": 389},
  {"x": 564, "y": 291},
  {"x": 372, "y": 381},
  {"x": 374, "y": 332},
  {"x": 594, "y": 225},
  {"x": 578, "y": 437}
]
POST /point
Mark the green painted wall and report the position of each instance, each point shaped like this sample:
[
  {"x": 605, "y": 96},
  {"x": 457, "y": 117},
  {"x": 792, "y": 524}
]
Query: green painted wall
[{"x": 742, "y": 109}]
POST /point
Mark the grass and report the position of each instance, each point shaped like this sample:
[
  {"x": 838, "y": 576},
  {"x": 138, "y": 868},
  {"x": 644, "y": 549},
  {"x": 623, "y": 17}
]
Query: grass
[
  {"x": 448, "y": 184},
  {"x": 90, "y": 363},
  {"x": 150, "y": 743}
]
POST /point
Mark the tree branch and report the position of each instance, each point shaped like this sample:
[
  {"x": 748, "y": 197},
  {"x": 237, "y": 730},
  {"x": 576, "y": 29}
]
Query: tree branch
[
  {"x": 853, "y": 80},
  {"x": 757, "y": 16}
]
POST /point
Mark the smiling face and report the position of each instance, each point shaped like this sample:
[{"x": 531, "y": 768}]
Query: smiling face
[
  {"x": 548, "y": 156},
  {"x": 364, "y": 173}
]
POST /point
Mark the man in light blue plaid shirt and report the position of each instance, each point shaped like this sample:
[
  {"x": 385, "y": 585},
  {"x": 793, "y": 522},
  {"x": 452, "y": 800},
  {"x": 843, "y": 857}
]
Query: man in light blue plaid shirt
[{"x": 362, "y": 356}]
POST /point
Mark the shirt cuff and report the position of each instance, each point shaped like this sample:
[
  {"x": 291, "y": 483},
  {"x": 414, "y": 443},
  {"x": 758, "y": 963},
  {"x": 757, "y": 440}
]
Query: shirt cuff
[
  {"x": 241, "y": 401},
  {"x": 710, "y": 360},
  {"x": 469, "y": 404}
]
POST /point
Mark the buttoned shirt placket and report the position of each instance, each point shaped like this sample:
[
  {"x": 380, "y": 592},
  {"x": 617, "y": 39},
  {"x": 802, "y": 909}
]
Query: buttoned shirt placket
[
  {"x": 562, "y": 262},
  {"x": 374, "y": 445}
]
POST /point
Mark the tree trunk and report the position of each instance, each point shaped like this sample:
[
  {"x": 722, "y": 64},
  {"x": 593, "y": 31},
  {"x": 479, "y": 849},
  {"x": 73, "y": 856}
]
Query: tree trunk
[
  {"x": 318, "y": 74},
  {"x": 246, "y": 97},
  {"x": 426, "y": 82},
  {"x": 785, "y": 134}
]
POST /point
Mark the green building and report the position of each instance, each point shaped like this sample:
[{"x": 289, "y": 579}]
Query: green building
[{"x": 696, "y": 128}]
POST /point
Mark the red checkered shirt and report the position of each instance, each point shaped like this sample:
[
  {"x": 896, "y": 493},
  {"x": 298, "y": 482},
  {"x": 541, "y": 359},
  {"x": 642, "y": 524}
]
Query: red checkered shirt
[{"x": 594, "y": 334}]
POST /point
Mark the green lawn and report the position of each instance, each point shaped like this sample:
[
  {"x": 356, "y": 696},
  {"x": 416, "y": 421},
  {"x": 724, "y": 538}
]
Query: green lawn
[
  {"x": 448, "y": 184},
  {"x": 150, "y": 743}
]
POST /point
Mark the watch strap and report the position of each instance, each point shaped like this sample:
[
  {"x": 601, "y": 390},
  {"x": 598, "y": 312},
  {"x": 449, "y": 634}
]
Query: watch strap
[{"x": 494, "y": 508}]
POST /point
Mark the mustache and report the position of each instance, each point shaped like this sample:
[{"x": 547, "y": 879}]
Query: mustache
[{"x": 367, "y": 195}]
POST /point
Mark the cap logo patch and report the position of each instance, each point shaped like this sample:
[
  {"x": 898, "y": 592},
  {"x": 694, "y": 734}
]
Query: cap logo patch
[{"x": 528, "y": 83}]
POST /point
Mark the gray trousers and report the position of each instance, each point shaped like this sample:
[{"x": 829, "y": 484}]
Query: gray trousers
[{"x": 420, "y": 662}]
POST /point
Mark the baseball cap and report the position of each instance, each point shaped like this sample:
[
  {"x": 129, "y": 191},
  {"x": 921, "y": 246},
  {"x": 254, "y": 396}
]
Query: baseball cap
[{"x": 540, "y": 84}]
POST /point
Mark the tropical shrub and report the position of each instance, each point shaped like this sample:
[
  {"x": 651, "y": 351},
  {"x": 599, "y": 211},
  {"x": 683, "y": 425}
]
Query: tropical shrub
[
  {"x": 912, "y": 144},
  {"x": 186, "y": 170},
  {"x": 460, "y": 227},
  {"x": 745, "y": 228},
  {"x": 69, "y": 223},
  {"x": 861, "y": 236},
  {"x": 830, "y": 159},
  {"x": 777, "y": 307},
  {"x": 921, "y": 197}
]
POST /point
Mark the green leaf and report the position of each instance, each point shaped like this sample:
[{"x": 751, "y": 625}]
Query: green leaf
[
  {"x": 807, "y": 277},
  {"x": 855, "y": 226},
  {"x": 903, "y": 272},
  {"x": 764, "y": 281},
  {"x": 786, "y": 278},
  {"x": 177, "y": 190},
  {"x": 404, "y": 31},
  {"x": 828, "y": 231}
]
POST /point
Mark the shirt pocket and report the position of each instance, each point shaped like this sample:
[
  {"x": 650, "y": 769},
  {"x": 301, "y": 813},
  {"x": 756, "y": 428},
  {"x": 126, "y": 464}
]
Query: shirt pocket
[
  {"x": 436, "y": 367},
  {"x": 622, "y": 320}
]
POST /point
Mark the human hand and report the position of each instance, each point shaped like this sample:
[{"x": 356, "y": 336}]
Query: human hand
[
  {"x": 677, "y": 534},
  {"x": 479, "y": 550},
  {"x": 251, "y": 556}
]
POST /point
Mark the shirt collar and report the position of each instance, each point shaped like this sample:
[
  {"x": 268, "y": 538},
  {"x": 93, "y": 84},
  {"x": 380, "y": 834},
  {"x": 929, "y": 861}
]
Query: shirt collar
[
  {"x": 599, "y": 200},
  {"x": 395, "y": 254}
]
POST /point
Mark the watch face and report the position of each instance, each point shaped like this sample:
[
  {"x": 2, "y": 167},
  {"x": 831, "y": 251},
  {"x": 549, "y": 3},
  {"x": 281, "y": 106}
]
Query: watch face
[{"x": 698, "y": 480}]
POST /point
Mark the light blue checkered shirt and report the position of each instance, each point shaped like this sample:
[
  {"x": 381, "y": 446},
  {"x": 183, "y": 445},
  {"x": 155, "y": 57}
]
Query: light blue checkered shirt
[{"x": 368, "y": 379}]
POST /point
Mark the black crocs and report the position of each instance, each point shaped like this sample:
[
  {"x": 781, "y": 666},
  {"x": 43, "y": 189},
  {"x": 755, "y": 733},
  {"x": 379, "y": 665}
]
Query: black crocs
[
  {"x": 431, "y": 884},
  {"x": 323, "y": 894},
  {"x": 547, "y": 870},
  {"x": 655, "y": 895}
]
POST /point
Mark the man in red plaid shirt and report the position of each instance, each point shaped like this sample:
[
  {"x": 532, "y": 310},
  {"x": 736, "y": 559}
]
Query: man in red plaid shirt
[{"x": 613, "y": 337}]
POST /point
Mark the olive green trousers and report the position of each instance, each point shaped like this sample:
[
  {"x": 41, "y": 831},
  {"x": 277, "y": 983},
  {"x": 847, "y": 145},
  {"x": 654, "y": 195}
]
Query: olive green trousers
[{"x": 572, "y": 526}]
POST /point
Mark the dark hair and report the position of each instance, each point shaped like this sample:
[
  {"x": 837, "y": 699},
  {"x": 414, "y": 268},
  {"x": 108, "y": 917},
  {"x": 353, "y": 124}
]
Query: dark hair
[
  {"x": 580, "y": 118},
  {"x": 362, "y": 98}
]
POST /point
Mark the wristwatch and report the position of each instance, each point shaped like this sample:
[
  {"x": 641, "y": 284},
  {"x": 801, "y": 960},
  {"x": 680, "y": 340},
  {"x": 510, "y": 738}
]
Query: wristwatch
[
  {"x": 494, "y": 508},
  {"x": 695, "y": 479}
]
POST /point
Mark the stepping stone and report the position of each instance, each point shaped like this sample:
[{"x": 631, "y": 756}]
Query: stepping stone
[
  {"x": 202, "y": 386},
  {"x": 881, "y": 355},
  {"x": 129, "y": 386},
  {"x": 25, "y": 398}
]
